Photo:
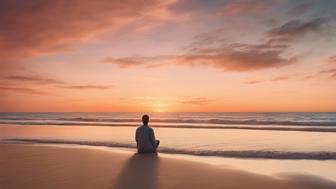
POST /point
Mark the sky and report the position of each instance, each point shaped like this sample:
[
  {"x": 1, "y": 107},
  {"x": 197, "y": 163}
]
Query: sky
[{"x": 167, "y": 56}]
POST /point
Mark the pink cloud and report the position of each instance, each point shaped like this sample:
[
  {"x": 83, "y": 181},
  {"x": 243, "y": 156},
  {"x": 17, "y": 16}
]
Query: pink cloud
[
  {"x": 46, "y": 27},
  {"x": 332, "y": 60}
]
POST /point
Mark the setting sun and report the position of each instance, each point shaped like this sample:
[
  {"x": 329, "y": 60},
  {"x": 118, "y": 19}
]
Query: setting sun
[{"x": 159, "y": 107}]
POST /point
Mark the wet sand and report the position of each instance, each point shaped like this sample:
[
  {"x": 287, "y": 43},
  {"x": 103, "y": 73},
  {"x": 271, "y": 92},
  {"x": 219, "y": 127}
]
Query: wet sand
[{"x": 52, "y": 166}]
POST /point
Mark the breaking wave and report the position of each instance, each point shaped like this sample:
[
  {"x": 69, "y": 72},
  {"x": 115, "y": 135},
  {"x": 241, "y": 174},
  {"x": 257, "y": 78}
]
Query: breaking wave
[{"x": 179, "y": 125}]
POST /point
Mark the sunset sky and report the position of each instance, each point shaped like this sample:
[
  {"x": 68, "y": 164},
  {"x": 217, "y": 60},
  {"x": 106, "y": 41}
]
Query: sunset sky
[{"x": 168, "y": 55}]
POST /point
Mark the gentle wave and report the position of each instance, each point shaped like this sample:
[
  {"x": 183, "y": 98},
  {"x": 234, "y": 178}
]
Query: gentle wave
[
  {"x": 200, "y": 121},
  {"x": 185, "y": 126},
  {"x": 322, "y": 155}
]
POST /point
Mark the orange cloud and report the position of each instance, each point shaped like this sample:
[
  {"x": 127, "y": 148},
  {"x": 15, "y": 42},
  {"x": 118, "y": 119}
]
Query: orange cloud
[
  {"x": 44, "y": 27},
  {"x": 332, "y": 60},
  {"x": 252, "y": 82},
  {"x": 147, "y": 62},
  {"x": 33, "y": 79},
  {"x": 88, "y": 87},
  {"x": 23, "y": 90},
  {"x": 278, "y": 78},
  {"x": 42, "y": 81},
  {"x": 195, "y": 101},
  {"x": 281, "y": 78}
]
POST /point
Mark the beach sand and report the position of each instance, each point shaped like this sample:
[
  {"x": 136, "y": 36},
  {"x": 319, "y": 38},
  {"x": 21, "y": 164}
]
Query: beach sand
[{"x": 52, "y": 166}]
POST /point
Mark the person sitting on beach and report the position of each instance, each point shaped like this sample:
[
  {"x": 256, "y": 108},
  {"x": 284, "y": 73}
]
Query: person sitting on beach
[{"x": 145, "y": 137}]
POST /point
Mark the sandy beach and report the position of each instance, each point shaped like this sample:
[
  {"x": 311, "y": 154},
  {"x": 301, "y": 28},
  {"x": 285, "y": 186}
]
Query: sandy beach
[{"x": 56, "y": 166}]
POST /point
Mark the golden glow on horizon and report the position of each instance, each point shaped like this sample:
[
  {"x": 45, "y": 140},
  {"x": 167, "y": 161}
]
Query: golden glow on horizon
[{"x": 159, "y": 106}]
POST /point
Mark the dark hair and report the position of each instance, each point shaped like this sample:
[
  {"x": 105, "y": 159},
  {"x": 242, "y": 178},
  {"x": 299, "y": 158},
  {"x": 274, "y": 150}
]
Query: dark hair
[{"x": 145, "y": 119}]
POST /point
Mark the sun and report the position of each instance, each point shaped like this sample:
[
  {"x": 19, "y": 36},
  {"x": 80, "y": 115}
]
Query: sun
[{"x": 159, "y": 106}]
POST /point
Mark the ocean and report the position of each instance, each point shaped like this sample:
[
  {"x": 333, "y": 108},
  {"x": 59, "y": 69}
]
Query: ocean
[{"x": 316, "y": 121}]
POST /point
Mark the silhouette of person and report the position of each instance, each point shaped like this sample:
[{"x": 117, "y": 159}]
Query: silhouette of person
[{"x": 145, "y": 137}]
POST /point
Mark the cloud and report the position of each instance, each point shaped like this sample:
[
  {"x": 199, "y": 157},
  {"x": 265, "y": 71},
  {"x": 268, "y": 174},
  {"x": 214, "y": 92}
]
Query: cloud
[
  {"x": 88, "y": 87},
  {"x": 212, "y": 50},
  {"x": 227, "y": 57},
  {"x": 147, "y": 62},
  {"x": 327, "y": 71},
  {"x": 301, "y": 9},
  {"x": 330, "y": 72},
  {"x": 296, "y": 29},
  {"x": 32, "y": 28},
  {"x": 308, "y": 77},
  {"x": 169, "y": 100},
  {"x": 23, "y": 90},
  {"x": 126, "y": 62},
  {"x": 7, "y": 67},
  {"x": 269, "y": 53},
  {"x": 253, "y": 82},
  {"x": 281, "y": 78},
  {"x": 332, "y": 60},
  {"x": 333, "y": 75},
  {"x": 219, "y": 54},
  {"x": 274, "y": 79},
  {"x": 39, "y": 80},
  {"x": 195, "y": 101},
  {"x": 33, "y": 79},
  {"x": 243, "y": 58},
  {"x": 244, "y": 7}
]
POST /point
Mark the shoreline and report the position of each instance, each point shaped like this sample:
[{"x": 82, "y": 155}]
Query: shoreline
[
  {"x": 53, "y": 156},
  {"x": 250, "y": 154}
]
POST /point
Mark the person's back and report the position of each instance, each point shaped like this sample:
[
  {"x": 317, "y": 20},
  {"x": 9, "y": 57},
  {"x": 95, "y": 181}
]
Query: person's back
[{"x": 145, "y": 137}]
